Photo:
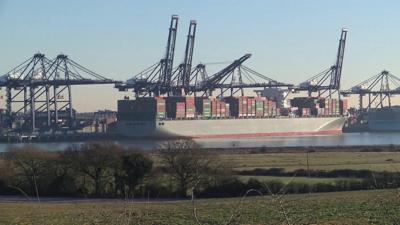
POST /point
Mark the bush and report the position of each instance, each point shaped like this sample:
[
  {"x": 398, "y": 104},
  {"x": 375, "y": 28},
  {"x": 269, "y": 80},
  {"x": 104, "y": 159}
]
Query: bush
[
  {"x": 231, "y": 187},
  {"x": 158, "y": 190}
]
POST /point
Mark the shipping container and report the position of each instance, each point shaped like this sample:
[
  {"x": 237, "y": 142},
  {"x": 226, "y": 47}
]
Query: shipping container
[
  {"x": 304, "y": 102},
  {"x": 161, "y": 108},
  {"x": 259, "y": 107},
  {"x": 344, "y": 105},
  {"x": 203, "y": 107},
  {"x": 187, "y": 107},
  {"x": 213, "y": 108},
  {"x": 190, "y": 107},
  {"x": 237, "y": 106},
  {"x": 227, "y": 110},
  {"x": 141, "y": 109},
  {"x": 266, "y": 108}
]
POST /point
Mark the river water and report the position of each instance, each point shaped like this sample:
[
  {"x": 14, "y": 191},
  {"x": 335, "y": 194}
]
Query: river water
[{"x": 348, "y": 139}]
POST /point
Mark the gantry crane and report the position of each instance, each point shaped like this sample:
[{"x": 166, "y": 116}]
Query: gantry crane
[
  {"x": 168, "y": 62},
  {"x": 161, "y": 79},
  {"x": 184, "y": 70},
  {"x": 235, "y": 78},
  {"x": 379, "y": 90},
  {"x": 42, "y": 88},
  {"x": 327, "y": 83},
  {"x": 156, "y": 79}
]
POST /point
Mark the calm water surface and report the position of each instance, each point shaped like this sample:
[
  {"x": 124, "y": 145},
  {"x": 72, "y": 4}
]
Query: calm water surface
[{"x": 343, "y": 140}]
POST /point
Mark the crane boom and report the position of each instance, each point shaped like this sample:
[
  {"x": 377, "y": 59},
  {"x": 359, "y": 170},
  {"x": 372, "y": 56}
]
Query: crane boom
[
  {"x": 335, "y": 80},
  {"x": 187, "y": 64},
  {"x": 219, "y": 76},
  {"x": 167, "y": 62}
]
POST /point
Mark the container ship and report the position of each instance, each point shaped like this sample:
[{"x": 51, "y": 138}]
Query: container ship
[
  {"x": 229, "y": 117},
  {"x": 383, "y": 119}
]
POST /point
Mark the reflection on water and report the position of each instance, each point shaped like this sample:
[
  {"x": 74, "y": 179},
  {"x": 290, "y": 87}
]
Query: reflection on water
[
  {"x": 340, "y": 140},
  {"x": 344, "y": 139}
]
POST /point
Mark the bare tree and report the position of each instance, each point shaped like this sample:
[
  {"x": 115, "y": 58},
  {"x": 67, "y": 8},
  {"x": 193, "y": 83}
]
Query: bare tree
[
  {"x": 97, "y": 161},
  {"x": 30, "y": 164},
  {"x": 186, "y": 163}
]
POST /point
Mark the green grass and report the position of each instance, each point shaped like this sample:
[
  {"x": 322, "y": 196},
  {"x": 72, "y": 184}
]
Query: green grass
[
  {"x": 361, "y": 207},
  {"x": 285, "y": 180},
  {"x": 375, "y": 161},
  {"x": 322, "y": 160}
]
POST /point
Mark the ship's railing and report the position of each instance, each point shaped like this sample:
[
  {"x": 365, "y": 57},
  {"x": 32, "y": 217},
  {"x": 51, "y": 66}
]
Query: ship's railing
[{"x": 241, "y": 118}]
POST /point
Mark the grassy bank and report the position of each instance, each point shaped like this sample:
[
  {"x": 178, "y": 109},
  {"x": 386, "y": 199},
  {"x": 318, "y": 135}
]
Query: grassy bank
[
  {"x": 320, "y": 160},
  {"x": 360, "y": 207}
]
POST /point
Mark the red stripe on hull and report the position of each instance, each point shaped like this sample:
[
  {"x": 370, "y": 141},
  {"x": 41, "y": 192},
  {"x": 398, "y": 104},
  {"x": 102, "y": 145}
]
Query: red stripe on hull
[{"x": 274, "y": 134}]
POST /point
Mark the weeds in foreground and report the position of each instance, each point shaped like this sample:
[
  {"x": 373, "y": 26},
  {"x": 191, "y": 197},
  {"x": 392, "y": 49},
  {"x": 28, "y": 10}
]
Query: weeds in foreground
[
  {"x": 277, "y": 199},
  {"x": 374, "y": 207}
]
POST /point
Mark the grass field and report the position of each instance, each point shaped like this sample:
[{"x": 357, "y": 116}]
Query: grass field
[
  {"x": 375, "y": 161},
  {"x": 320, "y": 160},
  {"x": 361, "y": 207}
]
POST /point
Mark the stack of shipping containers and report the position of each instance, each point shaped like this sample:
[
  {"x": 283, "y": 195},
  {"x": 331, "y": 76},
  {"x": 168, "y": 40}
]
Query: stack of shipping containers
[
  {"x": 222, "y": 109},
  {"x": 336, "y": 105},
  {"x": 328, "y": 106},
  {"x": 242, "y": 107},
  {"x": 344, "y": 106},
  {"x": 214, "y": 108},
  {"x": 259, "y": 103},
  {"x": 161, "y": 108},
  {"x": 203, "y": 107},
  {"x": 333, "y": 107},
  {"x": 319, "y": 107},
  {"x": 206, "y": 108},
  {"x": 180, "y": 110},
  {"x": 142, "y": 109},
  {"x": 190, "y": 107},
  {"x": 237, "y": 107},
  {"x": 175, "y": 107},
  {"x": 227, "y": 110},
  {"x": 266, "y": 108},
  {"x": 273, "y": 111},
  {"x": 251, "y": 107}
]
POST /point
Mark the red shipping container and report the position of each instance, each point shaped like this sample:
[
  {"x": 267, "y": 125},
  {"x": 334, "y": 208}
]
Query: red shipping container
[{"x": 214, "y": 105}]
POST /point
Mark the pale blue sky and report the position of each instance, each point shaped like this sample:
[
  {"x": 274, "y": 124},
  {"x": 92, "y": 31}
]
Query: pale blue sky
[{"x": 290, "y": 39}]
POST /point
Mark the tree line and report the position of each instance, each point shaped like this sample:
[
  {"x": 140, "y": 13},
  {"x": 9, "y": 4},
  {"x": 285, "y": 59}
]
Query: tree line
[
  {"x": 93, "y": 169},
  {"x": 177, "y": 169},
  {"x": 105, "y": 169}
]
